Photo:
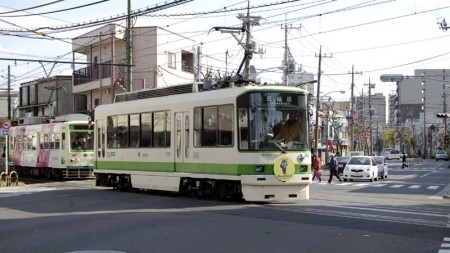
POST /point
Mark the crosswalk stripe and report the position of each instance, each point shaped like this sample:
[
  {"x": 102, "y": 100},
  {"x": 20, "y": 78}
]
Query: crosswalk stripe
[{"x": 379, "y": 185}]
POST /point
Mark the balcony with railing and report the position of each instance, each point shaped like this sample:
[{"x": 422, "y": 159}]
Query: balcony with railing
[{"x": 92, "y": 73}]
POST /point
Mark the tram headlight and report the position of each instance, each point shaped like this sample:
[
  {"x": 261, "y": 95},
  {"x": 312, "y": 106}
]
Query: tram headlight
[
  {"x": 259, "y": 168},
  {"x": 74, "y": 160},
  {"x": 303, "y": 168}
]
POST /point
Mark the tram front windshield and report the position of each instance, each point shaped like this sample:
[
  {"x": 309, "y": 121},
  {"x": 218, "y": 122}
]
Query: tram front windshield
[
  {"x": 81, "y": 141},
  {"x": 273, "y": 121}
]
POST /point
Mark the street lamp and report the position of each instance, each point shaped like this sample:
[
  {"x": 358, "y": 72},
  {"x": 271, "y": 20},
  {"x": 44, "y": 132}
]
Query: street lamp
[{"x": 301, "y": 84}]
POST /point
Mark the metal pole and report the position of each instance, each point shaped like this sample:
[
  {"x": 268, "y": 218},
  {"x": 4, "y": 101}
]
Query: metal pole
[
  {"x": 286, "y": 64},
  {"x": 6, "y": 155},
  {"x": 444, "y": 102},
  {"x": 352, "y": 113},
  {"x": 327, "y": 155},
  {"x": 316, "y": 127},
  {"x": 129, "y": 49},
  {"x": 9, "y": 92},
  {"x": 248, "y": 48},
  {"x": 370, "y": 120},
  {"x": 425, "y": 144}
]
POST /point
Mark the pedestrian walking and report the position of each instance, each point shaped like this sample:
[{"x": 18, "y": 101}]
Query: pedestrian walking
[
  {"x": 333, "y": 169},
  {"x": 404, "y": 160},
  {"x": 317, "y": 167}
]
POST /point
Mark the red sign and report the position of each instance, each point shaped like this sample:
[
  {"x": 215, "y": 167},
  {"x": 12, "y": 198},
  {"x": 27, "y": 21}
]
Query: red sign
[{"x": 6, "y": 124}]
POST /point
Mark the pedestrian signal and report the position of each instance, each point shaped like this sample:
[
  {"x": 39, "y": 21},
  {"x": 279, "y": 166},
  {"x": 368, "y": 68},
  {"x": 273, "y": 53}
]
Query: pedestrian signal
[{"x": 442, "y": 115}]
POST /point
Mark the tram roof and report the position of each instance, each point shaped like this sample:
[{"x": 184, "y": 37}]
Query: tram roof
[
  {"x": 183, "y": 96},
  {"x": 185, "y": 89}
]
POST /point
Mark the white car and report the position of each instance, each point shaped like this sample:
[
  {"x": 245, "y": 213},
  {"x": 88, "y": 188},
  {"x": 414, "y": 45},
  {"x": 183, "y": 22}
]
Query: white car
[
  {"x": 395, "y": 154},
  {"x": 361, "y": 168}
]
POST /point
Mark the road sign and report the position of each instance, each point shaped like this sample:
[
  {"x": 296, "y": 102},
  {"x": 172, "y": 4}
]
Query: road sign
[
  {"x": 5, "y": 132},
  {"x": 6, "y": 124}
]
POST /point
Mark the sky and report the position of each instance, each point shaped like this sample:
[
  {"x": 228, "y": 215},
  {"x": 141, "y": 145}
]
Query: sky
[{"x": 373, "y": 37}]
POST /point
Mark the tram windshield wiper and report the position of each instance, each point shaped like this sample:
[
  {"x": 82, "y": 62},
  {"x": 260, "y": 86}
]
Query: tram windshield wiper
[{"x": 279, "y": 146}]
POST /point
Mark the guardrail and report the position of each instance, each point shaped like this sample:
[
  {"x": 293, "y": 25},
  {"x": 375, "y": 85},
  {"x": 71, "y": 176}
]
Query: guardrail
[{"x": 8, "y": 179}]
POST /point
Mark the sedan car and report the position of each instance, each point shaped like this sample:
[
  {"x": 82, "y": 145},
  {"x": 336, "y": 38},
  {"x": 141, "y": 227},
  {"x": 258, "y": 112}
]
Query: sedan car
[
  {"x": 361, "y": 168},
  {"x": 441, "y": 155},
  {"x": 395, "y": 154},
  {"x": 342, "y": 161},
  {"x": 382, "y": 166}
]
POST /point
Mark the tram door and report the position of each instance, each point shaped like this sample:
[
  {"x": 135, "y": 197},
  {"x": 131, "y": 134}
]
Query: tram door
[
  {"x": 182, "y": 143},
  {"x": 100, "y": 139}
]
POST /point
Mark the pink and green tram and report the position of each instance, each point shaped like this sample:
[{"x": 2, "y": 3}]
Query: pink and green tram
[
  {"x": 221, "y": 142},
  {"x": 48, "y": 149}
]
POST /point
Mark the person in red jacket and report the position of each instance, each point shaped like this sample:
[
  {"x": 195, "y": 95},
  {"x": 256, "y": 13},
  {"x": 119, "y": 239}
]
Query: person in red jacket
[{"x": 317, "y": 167}]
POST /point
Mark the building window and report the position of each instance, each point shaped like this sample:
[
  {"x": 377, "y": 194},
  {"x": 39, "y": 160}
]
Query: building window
[{"x": 172, "y": 61}]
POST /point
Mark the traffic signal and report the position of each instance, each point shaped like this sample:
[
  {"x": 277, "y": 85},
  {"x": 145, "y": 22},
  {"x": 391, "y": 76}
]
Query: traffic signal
[{"x": 442, "y": 115}]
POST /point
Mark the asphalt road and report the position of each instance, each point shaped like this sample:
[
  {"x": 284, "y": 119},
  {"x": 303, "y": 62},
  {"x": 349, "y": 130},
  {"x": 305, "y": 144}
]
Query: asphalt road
[{"x": 405, "y": 213}]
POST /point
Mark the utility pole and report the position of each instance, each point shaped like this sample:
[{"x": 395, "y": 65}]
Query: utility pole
[
  {"x": 129, "y": 49},
  {"x": 249, "y": 50},
  {"x": 425, "y": 144},
  {"x": 352, "y": 110},
  {"x": 316, "y": 127},
  {"x": 286, "y": 51},
  {"x": 444, "y": 102},
  {"x": 371, "y": 85},
  {"x": 249, "y": 47}
]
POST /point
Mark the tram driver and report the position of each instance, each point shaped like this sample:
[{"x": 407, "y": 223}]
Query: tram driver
[
  {"x": 290, "y": 129},
  {"x": 78, "y": 143}
]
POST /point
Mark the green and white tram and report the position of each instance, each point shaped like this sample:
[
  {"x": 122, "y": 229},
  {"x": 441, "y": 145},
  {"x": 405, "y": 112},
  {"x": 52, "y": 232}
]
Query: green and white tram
[{"x": 250, "y": 142}]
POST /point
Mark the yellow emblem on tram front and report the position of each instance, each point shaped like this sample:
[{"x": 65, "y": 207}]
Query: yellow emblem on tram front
[{"x": 284, "y": 168}]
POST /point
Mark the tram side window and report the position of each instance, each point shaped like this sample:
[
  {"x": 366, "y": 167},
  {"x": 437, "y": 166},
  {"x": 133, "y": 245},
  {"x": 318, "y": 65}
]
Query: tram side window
[
  {"x": 111, "y": 131},
  {"x": 18, "y": 143},
  {"x": 29, "y": 140},
  {"x": 146, "y": 130},
  {"x": 63, "y": 141},
  {"x": 56, "y": 140},
  {"x": 226, "y": 125},
  {"x": 33, "y": 142},
  {"x": 243, "y": 128},
  {"x": 209, "y": 136},
  {"x": 197, "y": 126},
  {"x": 214, "y": 126},
  {"x": 122, "y": 131},
  {"x": 134, "y": 131},
  {"x": 41, "y": 141},
  {"x": 161, "y": 129},
  {"x": 46, "y": 141}
]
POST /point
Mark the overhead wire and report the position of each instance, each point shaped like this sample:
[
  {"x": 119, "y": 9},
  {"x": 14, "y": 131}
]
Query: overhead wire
[{"x": 213, "y": 55}]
